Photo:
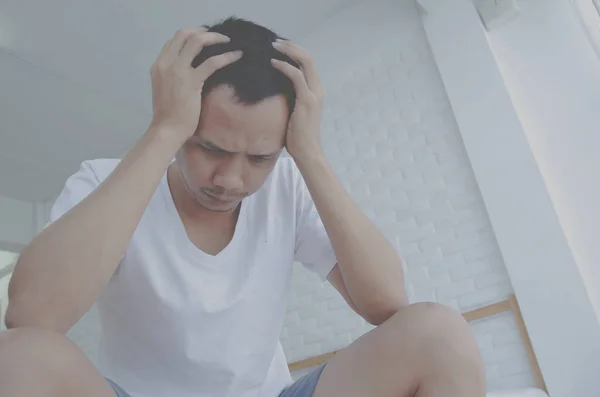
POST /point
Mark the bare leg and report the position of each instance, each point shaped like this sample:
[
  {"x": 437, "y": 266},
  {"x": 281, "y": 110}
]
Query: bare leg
[
  {"x": 424, "y": 350},
  {"x": 35, "y": 362}
]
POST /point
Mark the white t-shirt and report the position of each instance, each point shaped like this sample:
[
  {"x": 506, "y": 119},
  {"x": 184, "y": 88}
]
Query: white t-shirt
[{"x": 179, "y": 322}]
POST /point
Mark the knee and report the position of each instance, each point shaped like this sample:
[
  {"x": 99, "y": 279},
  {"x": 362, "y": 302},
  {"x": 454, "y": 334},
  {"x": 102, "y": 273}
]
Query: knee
[
  {"x": 437, "y": 321},
  {"x": 426, "y": 315},
  {"x": 434, "y": 328}
]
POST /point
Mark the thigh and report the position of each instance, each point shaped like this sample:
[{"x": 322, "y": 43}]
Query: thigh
[{"x": 57, "y": 366}]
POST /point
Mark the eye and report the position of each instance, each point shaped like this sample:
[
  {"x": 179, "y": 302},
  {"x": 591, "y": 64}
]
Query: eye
[
  {"x": 261, "y": 159},
  {"x": 211, "y": 150}
]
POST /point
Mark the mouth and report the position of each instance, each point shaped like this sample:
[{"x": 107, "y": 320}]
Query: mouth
[{"x": 221, "y": 199}]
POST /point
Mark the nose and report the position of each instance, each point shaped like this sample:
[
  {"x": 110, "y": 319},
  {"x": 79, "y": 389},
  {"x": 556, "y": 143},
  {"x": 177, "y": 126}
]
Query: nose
[{"x": 229, "y": 174}]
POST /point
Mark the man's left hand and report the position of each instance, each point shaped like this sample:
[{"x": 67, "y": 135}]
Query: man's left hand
[{"x": 303, "y": 135}]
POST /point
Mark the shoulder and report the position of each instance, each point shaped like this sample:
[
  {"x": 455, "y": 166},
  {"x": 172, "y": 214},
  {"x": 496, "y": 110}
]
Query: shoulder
[
  {"x": 98, "y": 169},
  {"x": 88, "y": 176},
  {"x": 81, "y": 183}
]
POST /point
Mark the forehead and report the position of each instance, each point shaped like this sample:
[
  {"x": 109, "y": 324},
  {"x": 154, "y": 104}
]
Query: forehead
[{"x": 238, "y": 127}]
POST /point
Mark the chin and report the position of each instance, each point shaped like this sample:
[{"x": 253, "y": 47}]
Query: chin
[
  {"x": 212, "y": 205},
  {"x": 214, "y": 208}
]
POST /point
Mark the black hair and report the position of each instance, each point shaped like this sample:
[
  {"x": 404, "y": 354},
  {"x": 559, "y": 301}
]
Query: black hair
[{"x": 253, "y": 77}]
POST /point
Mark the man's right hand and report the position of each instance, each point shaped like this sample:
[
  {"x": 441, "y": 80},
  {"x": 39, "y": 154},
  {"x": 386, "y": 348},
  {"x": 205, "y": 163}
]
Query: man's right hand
[{"x": 177, "y": 86}]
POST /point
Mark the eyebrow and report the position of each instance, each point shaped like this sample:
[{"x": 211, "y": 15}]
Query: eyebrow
[{"x": 212, "y": 146}]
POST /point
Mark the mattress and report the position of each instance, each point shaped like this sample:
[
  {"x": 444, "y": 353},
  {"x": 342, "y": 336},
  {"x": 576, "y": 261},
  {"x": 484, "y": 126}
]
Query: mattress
[{"x": 518, "y": 393}]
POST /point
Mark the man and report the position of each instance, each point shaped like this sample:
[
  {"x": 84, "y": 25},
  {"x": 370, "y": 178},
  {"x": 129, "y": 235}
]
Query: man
[{"x": 187, "y": 246}]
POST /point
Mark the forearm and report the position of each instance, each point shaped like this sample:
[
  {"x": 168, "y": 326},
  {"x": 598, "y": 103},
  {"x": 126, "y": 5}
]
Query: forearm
[
  {"x": 370, "y": 267},
  {"x": 64, "y": 269}
]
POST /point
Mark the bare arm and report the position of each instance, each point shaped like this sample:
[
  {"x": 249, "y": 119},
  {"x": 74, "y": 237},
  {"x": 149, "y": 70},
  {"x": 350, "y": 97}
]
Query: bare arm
[
  {"x": 369, "y": 273},
  {"x": 63, "y": 270}
]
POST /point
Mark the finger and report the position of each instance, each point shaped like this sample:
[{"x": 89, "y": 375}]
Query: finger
[
  {"x": 304, "y": 59},
  {"x": 294, "y": 74},
  {"x": 214, "y": 63},
  {"x": 173, "y": 50},
  {"x": 164, "y": 49},
  {"x": 196, "y": 42}
]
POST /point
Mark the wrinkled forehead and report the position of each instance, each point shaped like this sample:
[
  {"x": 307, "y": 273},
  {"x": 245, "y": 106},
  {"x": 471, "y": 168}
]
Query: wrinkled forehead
[{"x": 236, "y": 127}]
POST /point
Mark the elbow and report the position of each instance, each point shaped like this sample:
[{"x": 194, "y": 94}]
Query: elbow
[
  {"x": 17, "y": 314},
  {"x": 383, "y": 311},
  {"x": 13, "y": 318},
  {"x": 24, "y": 316},
  {"x": 23, "y": 311}
]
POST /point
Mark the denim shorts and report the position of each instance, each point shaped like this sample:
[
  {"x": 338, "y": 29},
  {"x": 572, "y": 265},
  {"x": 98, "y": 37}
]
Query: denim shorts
[{"x": 303, "y": 387}]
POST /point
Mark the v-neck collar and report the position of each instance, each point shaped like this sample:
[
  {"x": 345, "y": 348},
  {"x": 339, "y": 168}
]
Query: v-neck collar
[{"x": 239, "y": 232}]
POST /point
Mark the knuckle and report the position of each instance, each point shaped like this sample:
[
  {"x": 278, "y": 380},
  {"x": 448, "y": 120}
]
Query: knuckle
[
  {"x": 184, "y": 34},
  {"x": 232, "y": 56},
  {"x": 298, "y": 73},
  {"x": 214, "y": 61},
  {"x": 307, "y": 57},
  {"x": 224, "y": 59},
  {"x": 157, "y": 68},
  {"x": 198, "y": 38}
]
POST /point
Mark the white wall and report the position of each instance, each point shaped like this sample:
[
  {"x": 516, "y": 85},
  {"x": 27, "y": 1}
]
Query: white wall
[
  {"x": 541, "y": 264},
  {"x": 553, "y": 77},
  {"x": 20, "y": 221},
  {"x": 16, "y": 223},
  {"x": 391, "y": 136}
]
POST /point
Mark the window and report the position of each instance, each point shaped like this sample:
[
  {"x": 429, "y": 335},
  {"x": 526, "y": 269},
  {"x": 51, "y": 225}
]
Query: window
[
  {"x": 7, "y": 262},
  {"x": 588, "y": 12}
]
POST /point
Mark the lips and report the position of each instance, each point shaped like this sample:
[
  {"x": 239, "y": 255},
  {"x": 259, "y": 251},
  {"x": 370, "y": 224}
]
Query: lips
[{"x": 223, "y": 200}]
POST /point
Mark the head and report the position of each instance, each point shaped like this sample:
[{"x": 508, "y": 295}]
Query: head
[{"x": 243, "y": 122}]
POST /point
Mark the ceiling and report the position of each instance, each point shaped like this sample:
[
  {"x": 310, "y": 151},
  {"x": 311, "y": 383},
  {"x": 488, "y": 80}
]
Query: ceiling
[{"x": 74, "y": 75}]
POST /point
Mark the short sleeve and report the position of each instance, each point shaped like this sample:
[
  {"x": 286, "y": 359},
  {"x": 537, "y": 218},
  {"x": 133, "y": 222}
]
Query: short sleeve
[
  {"x": 77, "y": 187},
  {"x": 313, "y": 247}
]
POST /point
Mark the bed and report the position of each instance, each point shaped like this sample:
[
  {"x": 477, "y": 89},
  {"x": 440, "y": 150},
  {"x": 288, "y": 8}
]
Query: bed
[{"x": 507, "y": 305}]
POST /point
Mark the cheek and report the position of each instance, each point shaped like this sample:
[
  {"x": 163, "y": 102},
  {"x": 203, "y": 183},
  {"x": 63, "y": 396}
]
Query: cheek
[{"x": 196, "y": 167}]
